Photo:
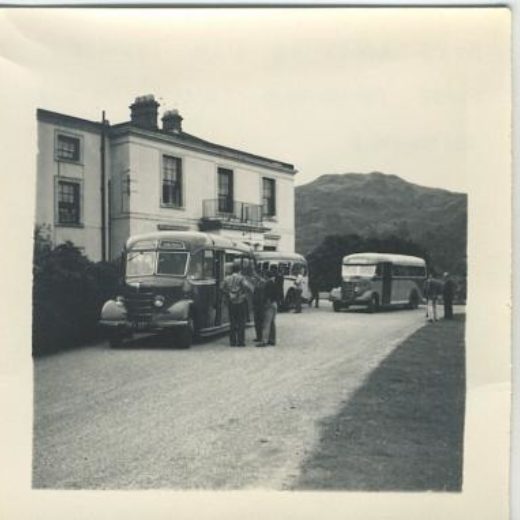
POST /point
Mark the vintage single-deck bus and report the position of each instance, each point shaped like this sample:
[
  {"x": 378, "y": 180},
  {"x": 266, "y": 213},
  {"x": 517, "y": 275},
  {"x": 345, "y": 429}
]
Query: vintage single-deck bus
[
  {"x": 289, "y": 265},
  {"x": 171, "y": 282},
  {"x": 376, "y": 280}
]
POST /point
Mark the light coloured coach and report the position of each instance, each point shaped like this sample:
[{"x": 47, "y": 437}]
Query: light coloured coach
[
  {"x": 289, "y": 265},
  {"x": 376, "y": 280}
]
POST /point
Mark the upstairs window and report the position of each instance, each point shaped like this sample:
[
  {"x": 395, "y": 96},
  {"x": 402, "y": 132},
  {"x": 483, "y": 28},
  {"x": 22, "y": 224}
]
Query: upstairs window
[
  {"x": 225, "y": 190},
  {"x": 268, "y": 197},
  {"x": 172, "y": 182},
  {"x": 67, "y": 148},
  {"x": 69, "y": 203}
]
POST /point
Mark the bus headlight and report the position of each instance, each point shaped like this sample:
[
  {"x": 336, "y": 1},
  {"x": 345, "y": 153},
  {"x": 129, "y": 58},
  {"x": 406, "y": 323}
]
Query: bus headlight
[
  {"x": 159, "y": 301},
  {"x": 120, "y": 301}
]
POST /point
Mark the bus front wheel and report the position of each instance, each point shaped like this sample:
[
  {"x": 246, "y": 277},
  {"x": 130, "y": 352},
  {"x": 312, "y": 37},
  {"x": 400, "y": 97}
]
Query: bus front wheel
[
  {"x": 336, "y": 306},
  {"x": 373, "y": 306},
  {"x": 184, "y": 337},
  {"x": 413, "y": 301},
  {"x": 289, "y": 301},
  {"x": 115, "y": 338}
]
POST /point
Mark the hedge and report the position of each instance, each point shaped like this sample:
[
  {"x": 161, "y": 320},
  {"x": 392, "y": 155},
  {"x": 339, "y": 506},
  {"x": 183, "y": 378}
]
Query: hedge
[{"x": 68, "y": 293}]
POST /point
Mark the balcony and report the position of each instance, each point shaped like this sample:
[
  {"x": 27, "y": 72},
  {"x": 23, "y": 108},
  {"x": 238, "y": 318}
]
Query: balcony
[{"x": 231, "y": 214}]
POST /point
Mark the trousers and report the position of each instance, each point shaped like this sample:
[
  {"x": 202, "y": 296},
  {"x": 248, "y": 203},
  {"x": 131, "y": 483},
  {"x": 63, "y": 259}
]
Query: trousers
[
  {"x": 448, "y": 308},
  {"x": 269, "y": 326},
  {"x": 298, "y": 300},
  {"x": 237, "y": 318},
  {"x": 431, "y": 308},
  {"x": 258, "y": 316}
]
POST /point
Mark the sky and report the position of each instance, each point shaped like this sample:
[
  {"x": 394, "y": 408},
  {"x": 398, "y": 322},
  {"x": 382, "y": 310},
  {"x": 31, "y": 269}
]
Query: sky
[{"x": 328, "y": 90}]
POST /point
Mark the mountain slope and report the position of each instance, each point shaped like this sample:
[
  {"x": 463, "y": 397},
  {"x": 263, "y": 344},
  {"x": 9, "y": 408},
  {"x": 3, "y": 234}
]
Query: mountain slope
[{"x": 379, "y": 205}]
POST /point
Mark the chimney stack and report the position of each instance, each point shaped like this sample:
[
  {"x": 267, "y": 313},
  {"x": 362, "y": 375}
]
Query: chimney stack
[
  {"x": 172, "y": 121},
  {"x": 144, "y": 112}
]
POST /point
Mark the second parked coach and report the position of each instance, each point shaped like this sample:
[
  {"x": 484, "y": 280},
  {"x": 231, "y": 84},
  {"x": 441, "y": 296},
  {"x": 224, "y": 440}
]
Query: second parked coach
[
  {"x": 376, "y": 280},
  {"x": 289, "y": 265}
]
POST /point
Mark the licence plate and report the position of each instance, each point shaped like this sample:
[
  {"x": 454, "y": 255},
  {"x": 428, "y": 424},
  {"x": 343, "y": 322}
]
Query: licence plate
[{"x": 141, "y": 325}]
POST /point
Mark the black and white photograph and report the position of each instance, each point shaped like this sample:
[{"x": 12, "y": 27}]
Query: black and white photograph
[{"x": 266, "y": 253}]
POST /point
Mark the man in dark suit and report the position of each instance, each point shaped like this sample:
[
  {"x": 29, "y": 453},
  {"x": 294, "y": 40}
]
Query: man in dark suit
[{"x": 448, "y": 291}]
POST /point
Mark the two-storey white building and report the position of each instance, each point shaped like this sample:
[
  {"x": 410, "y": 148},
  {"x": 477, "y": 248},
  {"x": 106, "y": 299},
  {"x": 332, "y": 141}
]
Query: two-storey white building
[{"x": 100, "y": 183}]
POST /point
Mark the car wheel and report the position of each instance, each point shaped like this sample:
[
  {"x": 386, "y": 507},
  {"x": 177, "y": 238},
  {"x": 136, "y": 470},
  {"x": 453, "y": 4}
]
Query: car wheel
[
  {"x": 115, "y": 339},
  {"x": 336, "y": 306},
  {"x": 373, "y": 306},
  {"x": 413, "y": 300},
  {"x": 289, "y": 302},
  {"x": 184, "y": 336}
]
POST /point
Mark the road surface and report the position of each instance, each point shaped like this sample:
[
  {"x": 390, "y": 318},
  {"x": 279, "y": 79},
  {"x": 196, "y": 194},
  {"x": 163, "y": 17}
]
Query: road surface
[{"x": 211, "y": 417}]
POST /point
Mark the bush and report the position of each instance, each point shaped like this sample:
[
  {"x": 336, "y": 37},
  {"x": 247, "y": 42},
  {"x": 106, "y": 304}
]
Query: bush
[{"x": 68, "y": 293}]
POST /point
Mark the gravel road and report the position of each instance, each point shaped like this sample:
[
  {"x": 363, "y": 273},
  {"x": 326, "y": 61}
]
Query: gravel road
[{"x": 212, "y": 417}]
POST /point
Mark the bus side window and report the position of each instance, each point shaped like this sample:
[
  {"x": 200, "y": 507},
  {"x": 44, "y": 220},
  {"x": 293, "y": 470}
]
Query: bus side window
[
  {"x": 208, "y": 264},
  {"x": 231, "y": 258},
  {"x": 247, "y": 264}
]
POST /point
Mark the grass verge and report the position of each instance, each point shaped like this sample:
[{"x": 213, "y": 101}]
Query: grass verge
[{"x": 403, "y": 429}]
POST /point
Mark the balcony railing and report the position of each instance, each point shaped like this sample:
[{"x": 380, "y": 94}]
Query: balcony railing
[{"x": 232, "y": 211}]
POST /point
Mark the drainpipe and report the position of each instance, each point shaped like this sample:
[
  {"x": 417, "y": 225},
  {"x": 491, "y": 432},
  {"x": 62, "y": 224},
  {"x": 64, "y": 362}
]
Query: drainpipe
[{"x": 103, "y": 188}]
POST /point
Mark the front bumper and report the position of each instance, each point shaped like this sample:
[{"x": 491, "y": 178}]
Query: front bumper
[
  {"x": 363, "y": 298},
  {"x": 144, "y": 326}
]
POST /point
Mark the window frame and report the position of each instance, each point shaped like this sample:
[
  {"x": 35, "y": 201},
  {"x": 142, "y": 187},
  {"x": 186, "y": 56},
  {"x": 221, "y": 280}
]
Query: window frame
[
  {"x": 231, "y": 186},
  {"x": 180, "y": 163},
  {"x": 69, "y": 180},
  {"x": 68, "y": 135},
  {"x": 272, "y": 181}
]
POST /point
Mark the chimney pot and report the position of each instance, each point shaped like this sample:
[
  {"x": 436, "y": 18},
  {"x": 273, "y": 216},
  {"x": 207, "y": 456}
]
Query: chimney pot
[
  {"x": 172, "y": 121},
  {"x": 144, "y": 112}
]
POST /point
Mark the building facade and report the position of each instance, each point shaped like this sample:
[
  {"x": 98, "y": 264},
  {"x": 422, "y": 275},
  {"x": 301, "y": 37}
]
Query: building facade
[{"x": 98, "y": 183}]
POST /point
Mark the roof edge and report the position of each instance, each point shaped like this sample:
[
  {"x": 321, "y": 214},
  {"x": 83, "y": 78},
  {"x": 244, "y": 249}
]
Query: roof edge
[
  {"x": 190, "y": 141},
  {"x": 57, "y": 118}
]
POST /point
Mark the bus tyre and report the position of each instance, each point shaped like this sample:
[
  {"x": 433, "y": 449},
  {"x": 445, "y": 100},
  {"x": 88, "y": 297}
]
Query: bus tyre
[
  {"x": 336, "y": 306},
  {"x": 115, "y": 339},
  {"x": 373, "y": 306},
  {"x": 413, "y": 300},
  {"x": 289, "y": 302},
  {"x": 185, "y": 335}
]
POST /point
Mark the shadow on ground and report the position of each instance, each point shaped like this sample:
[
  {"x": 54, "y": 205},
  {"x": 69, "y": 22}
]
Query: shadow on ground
[{"x": 403, "y": 429}]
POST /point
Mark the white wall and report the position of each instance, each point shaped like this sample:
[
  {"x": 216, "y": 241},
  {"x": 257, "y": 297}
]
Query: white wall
[
  {"x": 199, "y": 183},
  {"x": 88, "y": 171}
]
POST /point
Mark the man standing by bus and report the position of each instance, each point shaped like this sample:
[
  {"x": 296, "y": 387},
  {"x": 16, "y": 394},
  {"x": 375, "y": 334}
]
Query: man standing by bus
[
  {"x": 314, "y": 287},
  {"x": 235, "y": 287},
  {"x": 270, "y": 309},
  {"x": 432, "y": 290},
  {"x": 448, "y": 291},
  {"x": 298, "y": 289},
  {"x": 259, "y": 281}
]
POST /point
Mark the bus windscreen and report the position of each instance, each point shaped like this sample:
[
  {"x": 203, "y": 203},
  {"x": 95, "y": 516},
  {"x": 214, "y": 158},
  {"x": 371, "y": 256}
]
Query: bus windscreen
[
  {"x": 140, "y": 263},
  {"x": 358, "y": 270},
  {"x": 172, "y": 263}
]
